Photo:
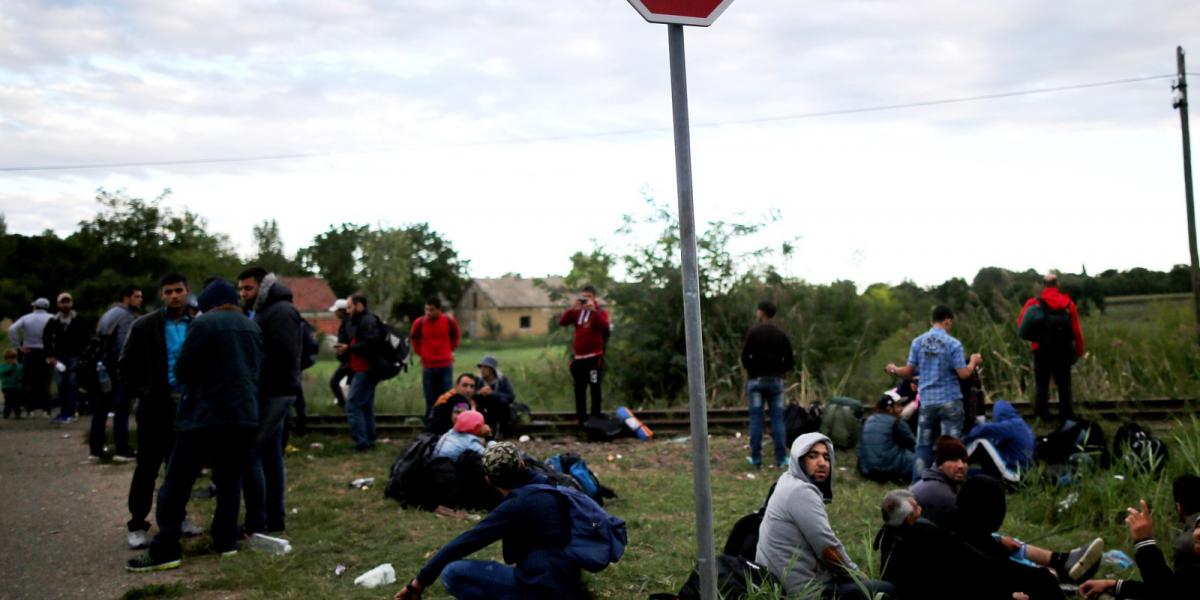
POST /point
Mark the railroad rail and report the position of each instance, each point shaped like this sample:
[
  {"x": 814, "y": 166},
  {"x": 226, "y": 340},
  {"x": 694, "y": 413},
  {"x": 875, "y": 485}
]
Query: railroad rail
[{"x": 674, "y": 421}]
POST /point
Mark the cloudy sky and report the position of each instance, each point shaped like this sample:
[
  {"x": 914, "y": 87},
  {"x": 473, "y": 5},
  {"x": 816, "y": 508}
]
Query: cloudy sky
[{"x": 524, "y": 130}]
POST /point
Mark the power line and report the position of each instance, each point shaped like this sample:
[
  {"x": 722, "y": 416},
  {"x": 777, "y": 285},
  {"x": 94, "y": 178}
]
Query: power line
[{"x": 612, "y": 133}]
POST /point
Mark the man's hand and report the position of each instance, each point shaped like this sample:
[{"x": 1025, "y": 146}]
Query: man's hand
[
  {"x": 1141, "y": 526},
  {"x": 1020, "y": 596},
  {"x": 486, "y": 390},
  {"x": 408, "y": 594},
  {"x": 1009, "y": 544},
  {"x": 976, "y": 359},
  {"x": 341, "y": 348},
  {"x": 1095, "y": 587},
  {"x": 26, "y": 349},
  {"x": 52, "y": 361},
  {"x": 890, "y": 369}
]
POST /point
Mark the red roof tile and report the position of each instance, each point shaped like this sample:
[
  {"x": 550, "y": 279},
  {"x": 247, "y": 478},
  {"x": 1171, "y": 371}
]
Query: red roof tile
[{"x": 310, "y": 294}]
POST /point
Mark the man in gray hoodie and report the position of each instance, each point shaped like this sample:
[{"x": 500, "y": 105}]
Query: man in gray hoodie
[{"x": 796, "y": 542}]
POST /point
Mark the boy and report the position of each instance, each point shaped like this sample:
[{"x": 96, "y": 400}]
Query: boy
[{"x": 10, "y": 382}]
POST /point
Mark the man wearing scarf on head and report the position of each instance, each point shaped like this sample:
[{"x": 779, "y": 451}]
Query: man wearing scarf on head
[{"x": 796, "y": 542}]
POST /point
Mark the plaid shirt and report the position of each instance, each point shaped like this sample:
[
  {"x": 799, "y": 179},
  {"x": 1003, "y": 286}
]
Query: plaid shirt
[{"x": 936, "y": 356}]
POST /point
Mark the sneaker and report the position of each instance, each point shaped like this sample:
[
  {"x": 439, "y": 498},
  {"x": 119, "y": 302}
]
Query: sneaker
[
  {"x": 93, "y": 458},
  {"x": 146, "y": 563},
  {"x": 138, "y": 540},
  {"x": 123, "y": 458},
  {"x": 60, "y": 420},
  {"x": 753, "y": 463},
  {"x": 228, "y": 553},
  {"x": 1083, "y": 562},
  {"x": 190, "y": 529},
  {"x": 783, "y": 464}
]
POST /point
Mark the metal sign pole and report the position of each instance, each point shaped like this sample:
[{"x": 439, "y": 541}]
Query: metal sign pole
[{"x": 701, "y": 481}]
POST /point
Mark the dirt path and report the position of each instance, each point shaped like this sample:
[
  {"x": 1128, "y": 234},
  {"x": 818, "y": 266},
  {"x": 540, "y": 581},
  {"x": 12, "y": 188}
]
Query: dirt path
[{"x": 62, "y": 519}]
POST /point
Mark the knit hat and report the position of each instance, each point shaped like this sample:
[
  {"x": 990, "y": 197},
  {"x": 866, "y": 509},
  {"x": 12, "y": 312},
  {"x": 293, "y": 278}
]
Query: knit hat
[
  {"x": 218, "y": 293},
  {"x": 502, "y": 459},
  {"x": 468, "y": 421},
  {"x": 949, "y": 448}
]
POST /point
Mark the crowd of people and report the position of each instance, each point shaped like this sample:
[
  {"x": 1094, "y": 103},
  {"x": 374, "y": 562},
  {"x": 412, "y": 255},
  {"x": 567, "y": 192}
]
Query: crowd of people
[{"x": 213, "y": 376}]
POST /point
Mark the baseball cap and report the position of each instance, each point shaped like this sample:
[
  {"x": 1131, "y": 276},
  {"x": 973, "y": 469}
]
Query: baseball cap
[
  {"x": 339, "y": 304},
  {"x": 41, "y": 303}
]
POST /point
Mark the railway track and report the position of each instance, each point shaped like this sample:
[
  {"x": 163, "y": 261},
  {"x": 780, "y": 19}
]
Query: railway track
[{"x": 674, "y": 421}]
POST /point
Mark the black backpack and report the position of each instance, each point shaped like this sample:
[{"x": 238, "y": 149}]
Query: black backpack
[
  {"x": 799, "y": 420},
  {"x": 743, "y": 538},
  {"x": 403, "y": 483},
  {"x": 391, "y": 357},
  {"x": 1073, "y": 437},
  {"x": 96, "y": 351},
  {"x": 1139, "y": 449},
  {"x": 604, "y": 428},
  {"x": 737, "y": 578},
  {"x": 1056, "y": 332},
  {"x": 308, "y": 345}
]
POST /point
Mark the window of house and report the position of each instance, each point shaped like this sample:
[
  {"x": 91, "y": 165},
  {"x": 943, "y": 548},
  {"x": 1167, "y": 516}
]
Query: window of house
[{"x": 526, "y": 322}]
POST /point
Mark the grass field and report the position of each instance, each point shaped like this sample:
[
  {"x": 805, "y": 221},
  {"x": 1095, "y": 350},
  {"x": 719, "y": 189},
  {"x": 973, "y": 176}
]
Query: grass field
[{"x": 333, "y": 524}]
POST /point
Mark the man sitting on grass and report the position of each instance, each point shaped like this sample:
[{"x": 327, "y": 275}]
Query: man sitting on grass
[
  {"x": 796, "y": 542},
  {"x": 441, "y": 416},
  {"x": 1004, "y": 446},
  {"x": 1158, "y": 581},
  {"x": 535, "y": 527},
  {"x": 937, "y": 486},
  {"x": 886, "y": 444}
]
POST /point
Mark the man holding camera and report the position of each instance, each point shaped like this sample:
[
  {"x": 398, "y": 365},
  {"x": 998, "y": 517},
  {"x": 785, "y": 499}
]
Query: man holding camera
[{"x": 591, "y": 336}]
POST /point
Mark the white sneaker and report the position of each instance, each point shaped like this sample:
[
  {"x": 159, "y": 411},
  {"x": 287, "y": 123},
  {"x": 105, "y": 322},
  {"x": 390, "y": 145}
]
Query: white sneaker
[
  {"x": 190, "y": 529},
  {"x": 138, "y": 540},
  {"x": 121, "y": 458}
]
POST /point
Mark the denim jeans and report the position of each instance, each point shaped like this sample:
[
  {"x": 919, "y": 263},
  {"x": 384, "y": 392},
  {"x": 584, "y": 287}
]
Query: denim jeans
[
  {"x": 263, "y": 477},
  {"x": 226, "y": 449},
  {"x": 360, "y": 409},
  {"x": 434, "y": 382},
  {"x": 481, "y": 580},
  {"x": 766, "y": 392},
  {"x": 68, "y": 387},
  {"x": 933, "y": 421}
]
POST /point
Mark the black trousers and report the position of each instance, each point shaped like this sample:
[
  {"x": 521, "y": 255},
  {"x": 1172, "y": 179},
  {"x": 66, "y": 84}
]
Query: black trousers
[
  {"x": 155, "y": 440},
  {"x": 226, "y": 450},
  {"x": 335, "y": 382},
  {"x": 1055, "y": 365},
  {"x": 588, "y": 373},
  {"x": 36, "y": 381}
]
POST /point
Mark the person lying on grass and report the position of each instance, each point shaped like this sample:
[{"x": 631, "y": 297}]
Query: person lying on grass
[
  {"x": 796, "y": 542},
  {"x": 1158, "y": 581},
  {"x": 535, "y": 527}
]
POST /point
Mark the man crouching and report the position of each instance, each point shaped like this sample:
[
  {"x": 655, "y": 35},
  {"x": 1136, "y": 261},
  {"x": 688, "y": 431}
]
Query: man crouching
[{"x": 796, "y": 542}]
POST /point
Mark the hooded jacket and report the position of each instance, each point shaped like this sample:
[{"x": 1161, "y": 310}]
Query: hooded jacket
[
  {"x": 1057, "y": 300},
  {"x": 885, "y": 447},
  {"x": 1009, "y": 433},
  {"x": 219, "y": 366},
  {"x": 281, "y": 333},
  {"x": 795, "y": 529},
  {"x": 936, "y": 494}
]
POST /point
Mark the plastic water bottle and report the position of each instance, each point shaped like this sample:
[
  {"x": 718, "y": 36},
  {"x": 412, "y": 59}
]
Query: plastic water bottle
[
  {"x": 382, "y": 575},
  {"x": 103, "y": 378},
  {"x": 271, "y": 545}
]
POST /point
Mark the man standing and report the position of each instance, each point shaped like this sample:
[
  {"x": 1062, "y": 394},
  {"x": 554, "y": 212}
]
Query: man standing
[
  {"x": 66, "y": 335},
  {"x": 113, "y": 328},
  {"x": 365, "y": 334},
  {"x": 938, "y": 359},
  {"x": 147, "y": 365},
  {"x": 28, "y": 337},
  {"x": 434, "y": 338},
  {"x": 587, "y": 362},
  {"x": 1058, "y": 344},
  {"x": 219, "y": 365},
  {"x": 269, "y": 303},
  {"x": 339, "y": 309},
  {"x": 767, "y": 358}
]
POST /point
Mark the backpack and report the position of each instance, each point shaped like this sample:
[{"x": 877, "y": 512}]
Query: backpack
[
  {"x": 799, "y": 420},
  {"x": 94, "y": 352},
  {"x": 1139, "y": 449},
  {"x": 558, "y": 478},
  {"x": 403, "y": 484},
  {"x": 974, "y": 401},
  {"x": 519, "y": 415},
  {"x": 392, "y": 355},
  {"x": 842, "y": 421},
  {"x": 737, "y": 578},
  {"x": 604, "y": 428},
  {"x": 1056, "y": 331},
  {"x": 308, "y": 345},
  {"x": 572, "y": 464},
  {"x": 743, "y": 538},
  {"x": 598, "y": 539}
]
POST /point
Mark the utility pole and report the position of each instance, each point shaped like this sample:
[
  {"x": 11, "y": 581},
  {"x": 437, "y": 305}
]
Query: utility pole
[{"x": 1181, "y": 103}]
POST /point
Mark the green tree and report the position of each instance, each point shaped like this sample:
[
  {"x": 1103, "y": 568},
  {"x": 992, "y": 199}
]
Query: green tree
[
  {"x": 592, "y": 268},
  {"x": 269, "y": 250},
  {"x": 387, "y": 270},
  {"x": 334, "y": 255}
]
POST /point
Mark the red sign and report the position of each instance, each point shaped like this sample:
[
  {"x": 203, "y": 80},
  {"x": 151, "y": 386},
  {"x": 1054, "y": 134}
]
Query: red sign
[{"x": 682, "y": 12}]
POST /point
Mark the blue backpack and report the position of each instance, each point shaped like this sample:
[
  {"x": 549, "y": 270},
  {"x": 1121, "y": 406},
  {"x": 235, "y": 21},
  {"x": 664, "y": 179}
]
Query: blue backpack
[
  {"x": 572, "y": 464},
  {"x": 598, "y": 539}
]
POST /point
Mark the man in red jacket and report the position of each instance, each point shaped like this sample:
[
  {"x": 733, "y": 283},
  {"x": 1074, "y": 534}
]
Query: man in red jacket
[
  {"x": 591, "y": 335},
  {"x": 1059, "y": 346},
  {"x": 434, "y": 338}
]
